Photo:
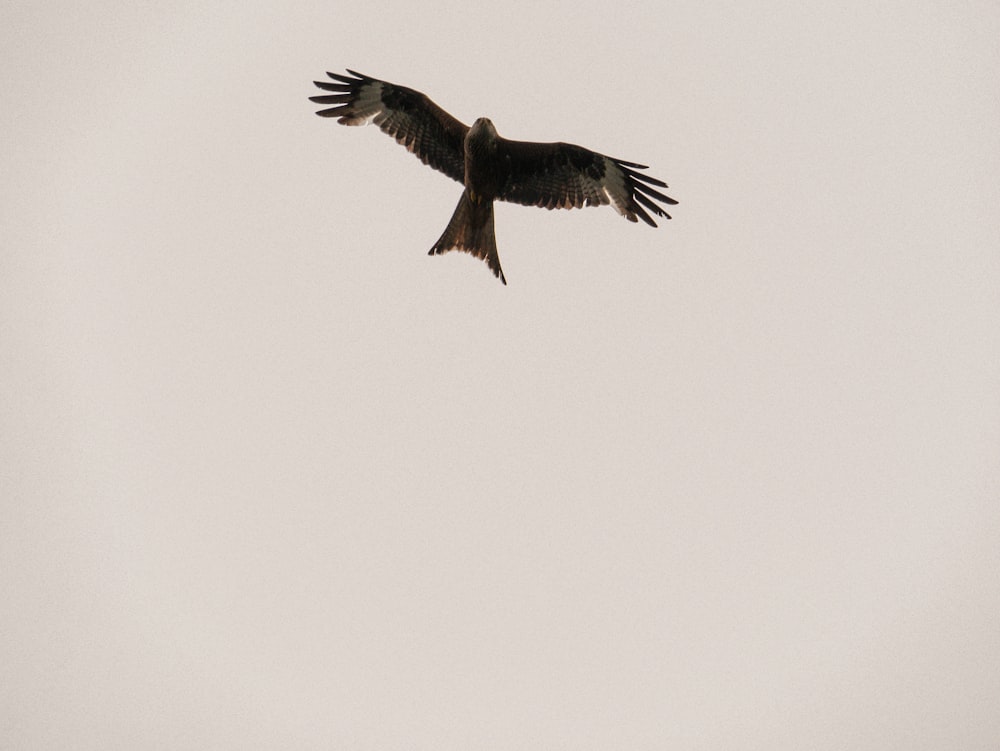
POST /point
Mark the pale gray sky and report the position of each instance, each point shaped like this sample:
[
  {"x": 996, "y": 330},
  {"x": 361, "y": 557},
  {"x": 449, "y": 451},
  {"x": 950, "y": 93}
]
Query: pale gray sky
[{"x": 271, "y": 477}]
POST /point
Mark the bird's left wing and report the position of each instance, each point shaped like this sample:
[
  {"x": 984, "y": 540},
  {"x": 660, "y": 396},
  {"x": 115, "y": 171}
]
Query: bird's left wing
[
  {"x": 564, "y": 176},
  {"x": 410, "y": 117}
]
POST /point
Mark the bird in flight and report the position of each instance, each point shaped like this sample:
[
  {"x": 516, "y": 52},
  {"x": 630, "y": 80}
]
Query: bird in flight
[{"x": 491, "y": 168}]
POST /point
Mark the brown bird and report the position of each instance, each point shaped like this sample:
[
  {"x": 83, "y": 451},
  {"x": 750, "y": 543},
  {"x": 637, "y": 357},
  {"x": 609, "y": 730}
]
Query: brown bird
[{"x": 551, "y": 175}]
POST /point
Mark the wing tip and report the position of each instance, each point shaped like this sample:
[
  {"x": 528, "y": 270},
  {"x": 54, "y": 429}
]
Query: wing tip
[{"x": 345, "y": 79}]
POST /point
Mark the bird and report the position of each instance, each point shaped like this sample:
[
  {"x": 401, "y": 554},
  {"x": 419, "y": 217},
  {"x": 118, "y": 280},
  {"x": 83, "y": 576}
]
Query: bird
[{"x": 490, "y": 168}]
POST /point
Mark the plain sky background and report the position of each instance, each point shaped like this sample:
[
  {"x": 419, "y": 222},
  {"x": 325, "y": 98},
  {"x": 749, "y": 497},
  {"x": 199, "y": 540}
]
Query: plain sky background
[{"x": 272, "y": 477}]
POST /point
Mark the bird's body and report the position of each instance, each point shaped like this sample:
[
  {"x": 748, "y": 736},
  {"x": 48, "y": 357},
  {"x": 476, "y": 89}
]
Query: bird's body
[
  {"x": 482, "y": 169},
  {"x": 491, "y": 168}
]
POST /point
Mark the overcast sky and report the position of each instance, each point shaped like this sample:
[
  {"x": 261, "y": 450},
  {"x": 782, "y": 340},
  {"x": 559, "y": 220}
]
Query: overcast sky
[{"x": 271, "y": 477}]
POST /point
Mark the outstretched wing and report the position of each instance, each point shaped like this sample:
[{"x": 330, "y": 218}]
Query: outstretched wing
[
  {"x": 407, "y": 115},
  {"x": 564, "y": 176}
]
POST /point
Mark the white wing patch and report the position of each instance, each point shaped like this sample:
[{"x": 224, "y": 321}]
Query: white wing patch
[
  {"x": 615, "y": 190},
  {"x": 367, "y": 105}
]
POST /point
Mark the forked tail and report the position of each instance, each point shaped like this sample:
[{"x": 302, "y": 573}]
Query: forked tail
[{"x": 471, "y": 230}]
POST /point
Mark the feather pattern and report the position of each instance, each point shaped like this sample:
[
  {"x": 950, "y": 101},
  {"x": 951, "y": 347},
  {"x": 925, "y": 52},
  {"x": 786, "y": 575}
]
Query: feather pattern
[
  {"x": 565, "y": 176},
  {"x": 410, "y": 117}
]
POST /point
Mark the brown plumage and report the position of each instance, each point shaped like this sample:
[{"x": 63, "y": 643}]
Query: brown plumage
[{"x": 550, "y": 175}]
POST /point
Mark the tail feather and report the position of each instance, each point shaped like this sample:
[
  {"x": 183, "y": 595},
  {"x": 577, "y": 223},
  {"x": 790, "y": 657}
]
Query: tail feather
[{"x": 471, "y": 230}]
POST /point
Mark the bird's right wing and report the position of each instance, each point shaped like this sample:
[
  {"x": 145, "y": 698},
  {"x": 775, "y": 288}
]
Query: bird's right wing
[
  {"x": 565, "y": 176},
  {"x": 410, "y": 117}
]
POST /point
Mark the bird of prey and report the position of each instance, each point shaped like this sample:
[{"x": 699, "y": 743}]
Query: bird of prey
[{"x": 491, "y": 168}]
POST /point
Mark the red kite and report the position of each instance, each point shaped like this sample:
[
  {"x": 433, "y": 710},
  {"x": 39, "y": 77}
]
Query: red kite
[{"x": 551, "y": 175}]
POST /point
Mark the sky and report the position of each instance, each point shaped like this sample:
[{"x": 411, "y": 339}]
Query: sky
[{"x": 272, "y": 477}]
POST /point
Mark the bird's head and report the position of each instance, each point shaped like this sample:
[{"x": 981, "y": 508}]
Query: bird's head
[{"x": 483, "y": 129}]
